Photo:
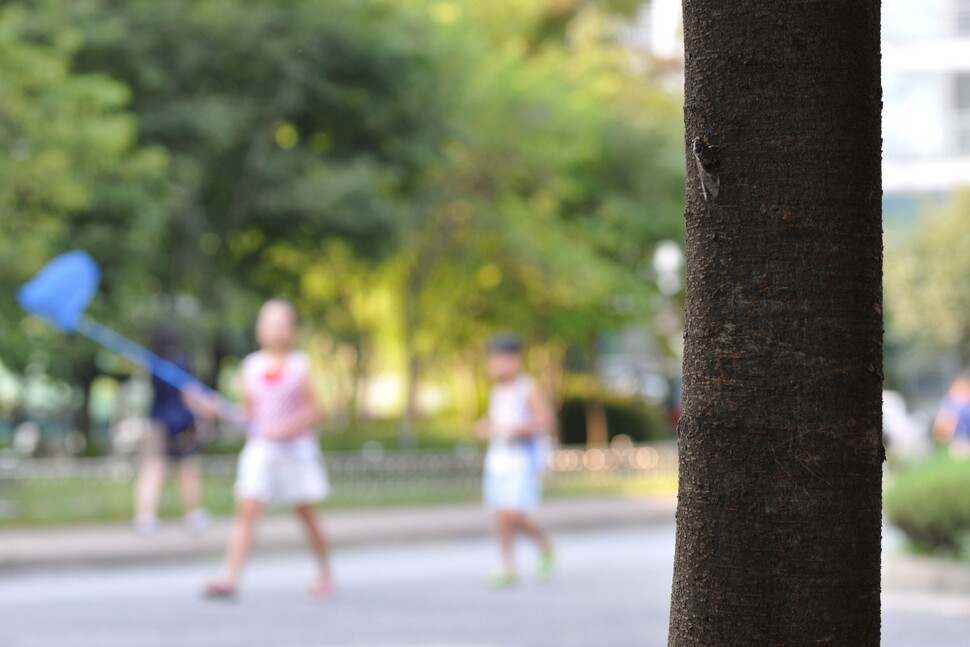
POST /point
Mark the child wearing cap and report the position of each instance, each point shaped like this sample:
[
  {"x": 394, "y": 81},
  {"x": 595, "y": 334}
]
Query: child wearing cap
[{"x": 518, "y": 425}]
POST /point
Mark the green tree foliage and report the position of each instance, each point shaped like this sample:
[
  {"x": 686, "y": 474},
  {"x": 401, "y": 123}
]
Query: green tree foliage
[
  {"x": 289, "y": 124},
  {"x": 72, "y": 177},
  {"x": 297, "y": 117},
  {"x": 927, "y": 286},
  {"x": 413, "y": 173},
  {"x": 560, "y": 178},
  {"x": 926, "y": 502}
]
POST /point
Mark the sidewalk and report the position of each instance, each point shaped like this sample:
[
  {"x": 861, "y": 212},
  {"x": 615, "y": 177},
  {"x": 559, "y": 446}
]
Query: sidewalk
[
  {"x": 114, "y": 544},
  {"x": 925, "y": 574}
]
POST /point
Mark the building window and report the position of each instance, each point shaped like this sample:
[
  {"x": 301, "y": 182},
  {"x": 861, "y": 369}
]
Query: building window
[
  {"x": 961, "y": 112},
  {"x": 961, "y": 17}
]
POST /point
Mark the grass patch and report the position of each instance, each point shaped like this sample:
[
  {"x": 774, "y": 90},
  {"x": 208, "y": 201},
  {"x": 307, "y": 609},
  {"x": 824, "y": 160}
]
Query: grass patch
[
  {"x": 930, "y": 503},
  {"x": 40, "y": 501}
]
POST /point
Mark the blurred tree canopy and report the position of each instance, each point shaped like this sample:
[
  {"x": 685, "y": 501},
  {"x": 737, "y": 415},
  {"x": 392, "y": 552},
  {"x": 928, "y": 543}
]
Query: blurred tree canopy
[
  {"x": 288, "y": 123},
  {"x": 928, "y": 280},
  {"x": 72, "y": 176},
  {"x": 412, "y": 173}
]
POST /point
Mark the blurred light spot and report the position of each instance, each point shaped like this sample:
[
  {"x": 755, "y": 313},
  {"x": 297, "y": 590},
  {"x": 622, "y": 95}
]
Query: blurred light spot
[
  {"x": 38, "y": 361},
  {"x": 186, "y": 305},
  {"x": 489, "y": 276},
  {"x": 318, "y": 283},
  {"x": 285, "y": 135},
  {"x": 33, "y": 326},
  {"x": 668, "y": 283},
  {"x": 621, "y": 443},
  {"x": 22, "y": 150},
  {"x": 129, "y": 434},
  {"x": 444, "y": 13},
  {"x": 594, "y": 460},
  {"x": 248, "y": 242},
  {"x": 459, "y": 211},
  {"x": 74, "y": 442},
  {"x": 321, "y": 142},
  {"x": 567, "y": 460},
  {"x": 373, "y": 451},
  {"x": 646, "y": 458},
  {"x": 210, "y": 243},
  {"x": 623, "y": 304},
  {"x": 26, "y": 438},
  {"x": 668, "y": 259}
]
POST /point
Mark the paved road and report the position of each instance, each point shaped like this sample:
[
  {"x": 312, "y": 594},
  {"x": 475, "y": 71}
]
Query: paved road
[{"x": 611, "y": 592}]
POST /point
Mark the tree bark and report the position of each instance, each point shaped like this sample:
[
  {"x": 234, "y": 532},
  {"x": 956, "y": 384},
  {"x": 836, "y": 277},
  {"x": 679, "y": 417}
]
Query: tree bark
[
  {"x": 361, "y": 373},
  {"x": 597, "y": 426},
  {"x": 217, "y": 353},
  {"x": 86, "y": 376},
  {"x": 778, "y": 521},
  {"x": 408, "y": 432}
]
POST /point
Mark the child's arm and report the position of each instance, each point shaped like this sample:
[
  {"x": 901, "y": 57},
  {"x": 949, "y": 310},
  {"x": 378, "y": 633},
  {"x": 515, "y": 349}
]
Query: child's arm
[
  {"x": 308, "y": 414},
  {"x": 542, "y": 420},
  {"x": 246, "y": 403},
  {"x": 201, "y": 404},
  {"x": 483, "y": 427},
  {"x": 946, "y": 422}
]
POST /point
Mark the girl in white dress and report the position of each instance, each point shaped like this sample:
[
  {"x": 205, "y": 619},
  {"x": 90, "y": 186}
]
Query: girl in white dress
[
  {"x": 518, "y": 425},
  {"x": 281, "y": 462}
]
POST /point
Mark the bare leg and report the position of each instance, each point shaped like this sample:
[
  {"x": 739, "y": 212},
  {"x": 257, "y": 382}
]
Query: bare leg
[
  {"x": 318, "y": 542},
  {"x": 505, "y": 532},
  {"x": 190, "y": 484},
  {"x": 529, "y": 527},
  {"x": 148, "y": 489},
  {"x": 241, "y": 538}
]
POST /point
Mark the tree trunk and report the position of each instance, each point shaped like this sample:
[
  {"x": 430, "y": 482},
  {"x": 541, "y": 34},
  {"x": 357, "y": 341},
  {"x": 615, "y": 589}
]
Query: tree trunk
[
  {"x": 597, "y": 427},
  {"x": 84, "y": 421},
  {"x": 359, "y": 384},
  {"x": 468, "y": 384},
  {"x": 408, "y": 436},
  {"x": 217, "y": 353},
  {"x": 778, "y": 521},
  {"x": 408, "y": 433}
]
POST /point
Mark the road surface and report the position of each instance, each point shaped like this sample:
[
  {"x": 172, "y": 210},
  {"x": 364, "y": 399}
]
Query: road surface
[{"x": 611, "y": 591}]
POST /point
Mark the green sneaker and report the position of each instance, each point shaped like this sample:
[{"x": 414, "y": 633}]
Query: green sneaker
[
  {"x": 546, "y": 567},
  {"x": 503, "y": 581}
]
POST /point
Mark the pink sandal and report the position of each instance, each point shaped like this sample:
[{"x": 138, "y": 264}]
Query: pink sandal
[
  {"x": 322, "y": 589},
  {"x": 219, "y": 591}
]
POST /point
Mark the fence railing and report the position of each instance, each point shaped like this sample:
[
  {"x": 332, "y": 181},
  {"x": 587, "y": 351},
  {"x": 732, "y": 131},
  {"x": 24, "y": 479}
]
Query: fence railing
[{"x": 77, "y": 489}]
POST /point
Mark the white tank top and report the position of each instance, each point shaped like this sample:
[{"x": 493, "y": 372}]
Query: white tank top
[
  {"x": 274, "y": 396},
  {"x": 508, "y": 407}
]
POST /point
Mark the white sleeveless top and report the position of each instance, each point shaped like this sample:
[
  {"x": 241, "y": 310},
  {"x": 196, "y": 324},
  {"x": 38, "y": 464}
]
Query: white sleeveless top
[
  {"x": 274, "y": 396},
  {"x": 508, "y": 407}
]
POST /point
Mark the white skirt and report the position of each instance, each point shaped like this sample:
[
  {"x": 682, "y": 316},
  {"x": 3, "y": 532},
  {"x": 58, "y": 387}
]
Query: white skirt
[{"x": 283, "y": 473}]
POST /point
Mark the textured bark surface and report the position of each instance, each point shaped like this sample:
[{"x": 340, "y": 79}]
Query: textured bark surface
[{"x": 778, "y": 521}]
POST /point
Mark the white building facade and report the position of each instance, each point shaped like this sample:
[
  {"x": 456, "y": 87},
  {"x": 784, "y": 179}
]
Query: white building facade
[
  {"x": 926, "y": 102},
  {"x": 926, "y": 94}
]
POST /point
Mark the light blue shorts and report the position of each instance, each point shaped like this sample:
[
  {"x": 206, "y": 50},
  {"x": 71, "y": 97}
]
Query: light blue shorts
[{"x": 512, "y": 480}]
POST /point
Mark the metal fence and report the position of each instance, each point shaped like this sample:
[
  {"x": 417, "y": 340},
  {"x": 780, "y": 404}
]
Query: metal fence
[{"x": 79, "y": 489}]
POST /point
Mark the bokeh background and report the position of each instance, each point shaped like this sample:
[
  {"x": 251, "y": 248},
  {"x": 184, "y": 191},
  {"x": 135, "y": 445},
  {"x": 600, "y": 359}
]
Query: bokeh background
[
  {"x": 416, "y": 175},
  {"x": 413, "y": 175}
]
